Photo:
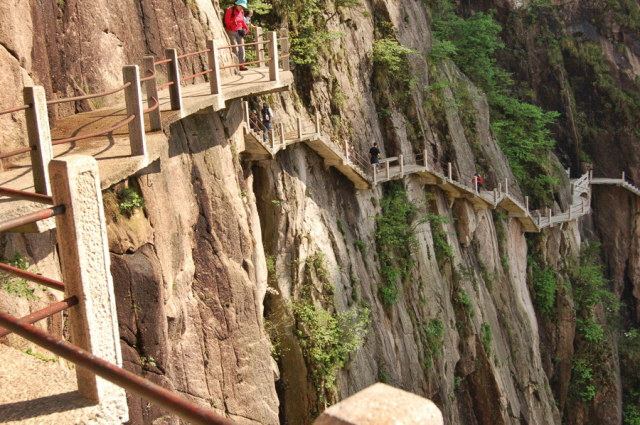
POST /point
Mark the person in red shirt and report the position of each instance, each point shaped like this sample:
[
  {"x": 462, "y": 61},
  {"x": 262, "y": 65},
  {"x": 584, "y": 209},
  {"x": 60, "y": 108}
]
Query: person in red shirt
[
  {"x": 477, "y": 177},
  {"x": 237, "y": 28}
]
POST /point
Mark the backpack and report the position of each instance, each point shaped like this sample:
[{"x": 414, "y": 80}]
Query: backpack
[
  {"x": 233, "y": 14},
  {"x": 266, "y": 114}
]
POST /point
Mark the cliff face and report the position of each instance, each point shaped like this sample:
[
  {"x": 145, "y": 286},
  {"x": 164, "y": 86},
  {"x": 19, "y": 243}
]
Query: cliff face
[{"x": 223, "y": 242}]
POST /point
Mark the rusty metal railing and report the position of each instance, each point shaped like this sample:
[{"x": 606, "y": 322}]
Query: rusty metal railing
[
  {"x": 164, "y": 398},
  {"x": 27, "y": 196},
  {"x": 31, "y": 218}
]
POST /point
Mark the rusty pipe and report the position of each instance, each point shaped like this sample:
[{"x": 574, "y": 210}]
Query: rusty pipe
[
  {"x": 164, "y": 398},
  {"x": 44, "y": 313},
  {"x": 51, "y": 283},
  {"x": 31, "y": 218},
  {"x": 27, "y": 196}
]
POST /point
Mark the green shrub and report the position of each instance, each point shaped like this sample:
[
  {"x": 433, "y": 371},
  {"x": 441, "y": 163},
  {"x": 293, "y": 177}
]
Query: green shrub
[
  {"x": 486, "y": 338},
  {"x": 395, "y": 242},
  {"x": 15, "y": 285},
  {"x": 544, "y": 285},
  {"x": 331, "y": 339},
  {"x": 390, "y": 55}
]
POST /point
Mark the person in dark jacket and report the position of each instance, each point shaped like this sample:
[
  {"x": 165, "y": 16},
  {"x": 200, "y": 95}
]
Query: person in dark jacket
[
  {"x": 267, "y": 117},
  {"x": 237, "y": 28},
  {"x": 374, "y": 152}
]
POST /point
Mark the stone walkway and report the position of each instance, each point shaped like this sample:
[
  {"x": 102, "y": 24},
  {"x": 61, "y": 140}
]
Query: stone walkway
[{"x": 43, "y": 392}]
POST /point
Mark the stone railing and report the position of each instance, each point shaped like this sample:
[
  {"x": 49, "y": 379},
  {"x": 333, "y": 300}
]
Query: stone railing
[{"x": 382, "y": 404}]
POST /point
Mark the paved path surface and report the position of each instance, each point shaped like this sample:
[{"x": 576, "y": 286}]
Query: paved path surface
[{"x": 41, "y": 392}]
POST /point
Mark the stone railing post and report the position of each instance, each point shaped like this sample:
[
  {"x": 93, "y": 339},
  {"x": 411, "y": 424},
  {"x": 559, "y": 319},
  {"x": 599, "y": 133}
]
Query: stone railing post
[
  {"x": 526, "y": 203},
  {"x": 245, "y": 111},
  {"x": 346, "y": 150},
  {"x": 259, "y": 47},
  {"x": 401, "y": 161},
  {"x": 539, "y": 218},
  {"x": 155, "y": 118},
  {"x": 317, "y": 122},
  {"x": 299, "y": 123},
  {"x": 174, "y": 76},
  {"x": 425, "y": 159},
  {"x": 475, "y": 183},
  {"x": 84, "y": 254},
  {"x": 133, "y": 99},
  {"x": 450, "y": 171},
  {"x": 500, "y": 188},
  {"x": 506, "y": 187},
  {"x": 214, "y": 65},
  {"x": 387, "y": 170},
  {"x": 382, "y": 404},
  {"x": 623, "y": 176},
  {"x": 285, "y": 49},
  {"x": 549, "y": 214},
  {"x": 495, "y": 196},
  {"x": 284, "y": 145},
  {"x": 274, "y": 74},
  {"x": 39, "y": 137}
]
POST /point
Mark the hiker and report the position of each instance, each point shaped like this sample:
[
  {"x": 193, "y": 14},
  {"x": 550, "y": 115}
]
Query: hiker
[
  {"x": 237, "y": 28},
  {"x": 253, "y": 120},
  {"x": 247, "y": 19},
  {"x": 267, "y": 115},
  {"x": 375, "y": 156},
  {"x": 477, "y": 177},
  {"x": 352, "y": 154}
]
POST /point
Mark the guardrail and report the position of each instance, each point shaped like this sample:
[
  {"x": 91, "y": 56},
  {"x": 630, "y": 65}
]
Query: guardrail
[
  {"x": 36, "y": 105},
  {"x": 89, "y": 297}
]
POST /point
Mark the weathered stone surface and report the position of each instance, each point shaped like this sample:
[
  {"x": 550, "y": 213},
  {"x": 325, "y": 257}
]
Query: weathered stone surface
[{"x": 382, "y": 404}]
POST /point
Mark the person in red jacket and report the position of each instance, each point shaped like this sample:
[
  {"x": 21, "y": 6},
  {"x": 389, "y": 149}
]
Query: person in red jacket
[
  {"x": 476, "y": 177},
  {"x": 237, "y": 28}
]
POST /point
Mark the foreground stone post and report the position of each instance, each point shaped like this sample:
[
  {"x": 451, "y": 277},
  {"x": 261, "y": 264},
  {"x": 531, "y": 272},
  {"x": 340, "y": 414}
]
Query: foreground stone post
[
  {"x": 382, "y": 404},
  {"x": 214, "y": 65},
  {"x": 175, "y": 92},
  {"x": 259, "y": 47},
  {"x": 84, "y": 254},
  {"x": 155, "y": 118},
  {"x": 39, "y": 137},
  {"x": 133, "y": 99},
  {"x": 284, "y": 33},
  {"x": 274, "y": 74}
]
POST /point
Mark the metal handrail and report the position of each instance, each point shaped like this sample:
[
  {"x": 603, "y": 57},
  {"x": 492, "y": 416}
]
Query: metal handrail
[
  {"x": 88, "y": 96},
  {"x": 150, "y": 77},
  {"x": 231, "y": 46},
  {"x": 186, "y": 55},
  {"x": 31, "y": 218},
  {"x": 162, "y": 61},
  {"x": 27, "y": 196},
  {"x": 161, "y": 86},
  {"x": 15, "y": 109},
  {"x": 17, "y": 152},
  {"x": 24, "y": 274},
  {"x": 196, "y": 75},
  {"x": 154, "y": 107},
  {"x": 243, "y": 64},
  {"x": 44, "y": 313},
  {"x": 99, "y": 133},
  {"x": 164, "y": 398}
]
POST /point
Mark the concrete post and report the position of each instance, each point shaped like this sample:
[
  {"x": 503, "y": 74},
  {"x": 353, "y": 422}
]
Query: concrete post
[
  {"x": 500, "y": 188},
  {"x": 346, "y": 150},
  {"x": 284, "y": 145},
  {"x": 374, "y": 172},
  {"x": 245, "y": 111},
  {"x": 623, "y": 176},
  {"x": 539, "y": 218},
  {"x": 272, "y": 143},
  {"x": 526, "y": 203},
  {"x": 299, "y": 123},
  {"x": 133, "y": 99},
  {"x": 475, "y": 182},
  {"x": 273, "y": 57},
  {"x": 450, "y": 171},
  {"x": 382, "y": 404},
  {"x": 155, "y": 118},
  {"x": 495, "y": 196},
  {"x": 317, "y": 122},
  {"x": 214, "y": 65},
  {"x": 425, "y": 159},
  {"x": 590, "y": 175},
  {"x": 39, "y": 137},
  {"x": 387, "y": 170},
  {"x": 174, "y": 76},
  {"x": 84, "y": 254},
  {"x": 401, "y": 160},
  {"x": 285, "y": 49},
  {"x": 506, "y": 187},
  {"x": 549, "y": 214},
  {"x": 259, "y": 47}
]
